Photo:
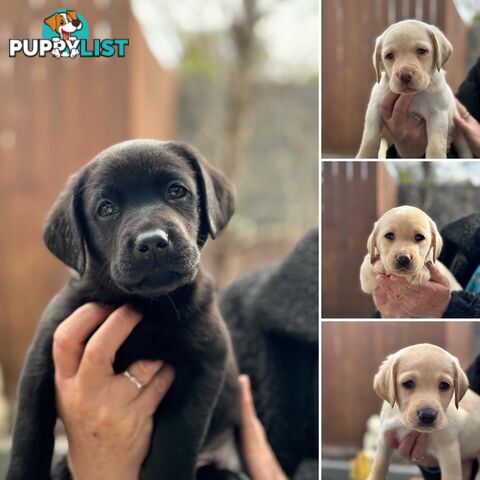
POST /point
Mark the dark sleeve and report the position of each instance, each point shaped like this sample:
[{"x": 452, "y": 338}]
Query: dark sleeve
[
  {"x": 463, "y": 305},
  {"x": 307, "y": 470},
  {"x": 469, "y": 91}
]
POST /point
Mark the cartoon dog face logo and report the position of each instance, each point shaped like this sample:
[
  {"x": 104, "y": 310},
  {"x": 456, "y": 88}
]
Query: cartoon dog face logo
[{"x": 64, "y": 24}]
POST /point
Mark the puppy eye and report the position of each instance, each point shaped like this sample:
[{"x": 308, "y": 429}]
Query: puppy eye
[
  {"x": 390, "y": 236},
  {"x": 421, "y": 51},
  {"x": 105, "y": 209},
  {"x": 444, "y": 386},
  {"x": 409, "y": 384},
  {"x": 419, "y": 237},
  {"x": 389, "y": 56},
  {"x": 62, "y": 21},
  {"x": 177, "y": 191}
]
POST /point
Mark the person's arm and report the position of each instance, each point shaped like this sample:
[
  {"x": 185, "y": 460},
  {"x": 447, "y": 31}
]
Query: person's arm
[{"x": 108, "y": 419}]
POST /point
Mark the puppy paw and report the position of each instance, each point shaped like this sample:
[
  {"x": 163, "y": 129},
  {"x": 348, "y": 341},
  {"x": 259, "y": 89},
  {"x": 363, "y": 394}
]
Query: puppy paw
[{"x": 74, "y": 53}]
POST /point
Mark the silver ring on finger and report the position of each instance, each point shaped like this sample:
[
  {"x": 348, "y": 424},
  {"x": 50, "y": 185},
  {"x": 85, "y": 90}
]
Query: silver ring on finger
[
  {"x": 416, "y": 117},
  {"x": 134, "y": 379},
  {"x": 418, "y": 460}
]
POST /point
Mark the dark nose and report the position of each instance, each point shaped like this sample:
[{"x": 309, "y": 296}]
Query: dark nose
[
  {"x": 405, "y": 77},
  {"x": 402, "y": 259},
  {"x": 427, "y": 415},
  {"x": 154, "y": 240},
  {"x": 75, "y": 23}
]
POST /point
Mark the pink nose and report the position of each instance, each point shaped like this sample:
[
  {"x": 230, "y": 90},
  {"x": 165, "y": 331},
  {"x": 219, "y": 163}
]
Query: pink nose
[{"x": 405, "y": 77}]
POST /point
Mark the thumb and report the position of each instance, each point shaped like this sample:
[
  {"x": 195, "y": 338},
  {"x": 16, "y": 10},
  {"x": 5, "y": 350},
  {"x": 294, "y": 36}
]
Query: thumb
[
  {"x": 461, "y": 124},
  {"x": 436, "y": 276}
]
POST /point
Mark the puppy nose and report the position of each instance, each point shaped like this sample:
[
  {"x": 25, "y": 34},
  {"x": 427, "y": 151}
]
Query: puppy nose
[
  {"x": 402, "y": 259},
  {"x": 427, "y": 415},
  {"x": 75, "y": 23},
  {"x": 151, "y": 241},
  {"x": 405, "y": 77}
]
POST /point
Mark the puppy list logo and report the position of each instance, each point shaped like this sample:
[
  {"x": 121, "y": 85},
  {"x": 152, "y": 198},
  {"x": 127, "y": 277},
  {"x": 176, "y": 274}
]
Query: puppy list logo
[{"x": 65, "y": 35}]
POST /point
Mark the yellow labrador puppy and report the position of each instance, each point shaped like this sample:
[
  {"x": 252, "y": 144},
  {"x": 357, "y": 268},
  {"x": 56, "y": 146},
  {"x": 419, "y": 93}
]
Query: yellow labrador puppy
[
  {"x": 422, "y": 386},
  {"x": 403, "y": 240},
  {"x": 408, "y": 60}
]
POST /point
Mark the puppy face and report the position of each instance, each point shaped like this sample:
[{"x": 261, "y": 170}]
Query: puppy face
[
  {"x": 138, "y": 215},
  {"x": 410, "y": 52},
  {"x": 404, "y": 238},
  {"x": 422, "y": 380}
]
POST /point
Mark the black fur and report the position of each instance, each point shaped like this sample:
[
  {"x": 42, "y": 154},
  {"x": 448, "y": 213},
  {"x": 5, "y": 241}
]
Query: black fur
[
  {"x": 272, "y": 315},
  {"x": 181, "y": 322}
]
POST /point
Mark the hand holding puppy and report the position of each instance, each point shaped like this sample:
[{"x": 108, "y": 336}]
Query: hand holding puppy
[{"x": 395, "y": 298}]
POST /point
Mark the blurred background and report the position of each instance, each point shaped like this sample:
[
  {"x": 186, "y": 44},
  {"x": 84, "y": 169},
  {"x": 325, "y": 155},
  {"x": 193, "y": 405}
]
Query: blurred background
[
  {"x": 349, "y": 30},
  {"x": 355, "y": 194},
  {"x": 236, "y": 78},
  {"x": 351, "y": 355}
]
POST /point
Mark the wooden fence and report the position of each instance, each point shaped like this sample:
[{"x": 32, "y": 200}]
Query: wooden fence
[
  {"x": 354, "y": 195},
  {"x": 351, "y": 355},
  {"x": 55, "y": 115},
  {"x": 350, "y": 28}
]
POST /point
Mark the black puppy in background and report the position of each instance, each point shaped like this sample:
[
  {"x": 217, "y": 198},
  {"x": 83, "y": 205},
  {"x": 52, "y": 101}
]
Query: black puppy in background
[{"x": 132, "y": 224}]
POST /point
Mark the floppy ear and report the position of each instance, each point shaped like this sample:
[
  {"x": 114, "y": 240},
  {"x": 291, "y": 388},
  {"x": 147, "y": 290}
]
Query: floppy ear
[
  {"x": 377, "y": 57},
  {"x": 385, "y": 380},
  {"x": 217, "y": 194},
  {"x": 460, "y": 381},
  {"x": 437, "y": 242},
  {"x": 73, "y": 14},
  {"x": 52, "y": 21},
  {"x": 442, "y": 48},
  {"x": 63, "y": 232},
  {"x": 372, "y": 242}
]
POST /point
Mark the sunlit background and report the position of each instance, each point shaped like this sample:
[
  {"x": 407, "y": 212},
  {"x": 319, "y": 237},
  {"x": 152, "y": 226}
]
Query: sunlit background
[{"x": 236, "y": 78}]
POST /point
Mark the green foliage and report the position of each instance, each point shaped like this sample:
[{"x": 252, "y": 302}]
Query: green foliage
[{"x": 201, "y": 57}]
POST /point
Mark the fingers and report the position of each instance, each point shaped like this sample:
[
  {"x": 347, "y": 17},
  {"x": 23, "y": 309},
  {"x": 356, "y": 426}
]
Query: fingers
[
  {"x": 462, "y": 110},
  {"x": 462, "y": 124},
  {"x": 406, "y": 445},
  {"x": 101, "y": 348},
  {"x": 70, "y": 337},
  {"x": 436, "y": 276},
  {"x": 143, "y": 371},
  {"x": 153, "y": 393},
  {"x": 419, "y": 447},
  {"x": 402, "y": 105},
  {"x": 387, "y": 103}
]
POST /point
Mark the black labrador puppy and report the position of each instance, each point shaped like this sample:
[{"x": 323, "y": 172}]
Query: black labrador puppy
[{"x": 131, "y": 224}]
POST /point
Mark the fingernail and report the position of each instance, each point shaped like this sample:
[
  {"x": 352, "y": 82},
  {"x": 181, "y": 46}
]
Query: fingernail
[{"x": 246, "y": 386}]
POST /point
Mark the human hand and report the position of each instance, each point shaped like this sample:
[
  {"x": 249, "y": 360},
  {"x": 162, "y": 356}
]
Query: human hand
[
  {"x": 395, "y": 298},
  {"x": 412, "y": 448},
  {"x": 107, "y": 418},
  {"x": 259, "y": 457},
  {"x": 469, "y": 127},
  {"x": 409, "y": 133}
]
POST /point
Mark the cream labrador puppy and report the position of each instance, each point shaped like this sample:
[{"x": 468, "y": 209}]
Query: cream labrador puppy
[
  {"x": 422, "y": 386},
  {"x": 408, "y": 60},
  {"x": 403, "y": 240}
]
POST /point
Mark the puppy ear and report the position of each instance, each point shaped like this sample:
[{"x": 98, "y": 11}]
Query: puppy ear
[
  {"x": 372, "y": 243},
  {"x": 377, "y": 57},
  {"x": 52, "y": 21},
  {"x": 437, "y": 242},
  {"x": 460, "y": 381},
  {"x": 73, "y": 14},
  {"x": 63, "y": 232},
  {"x": 385, "y": 380},
  {"x": 442, "y": 48},
  {"x": 217, "y": 194}
]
